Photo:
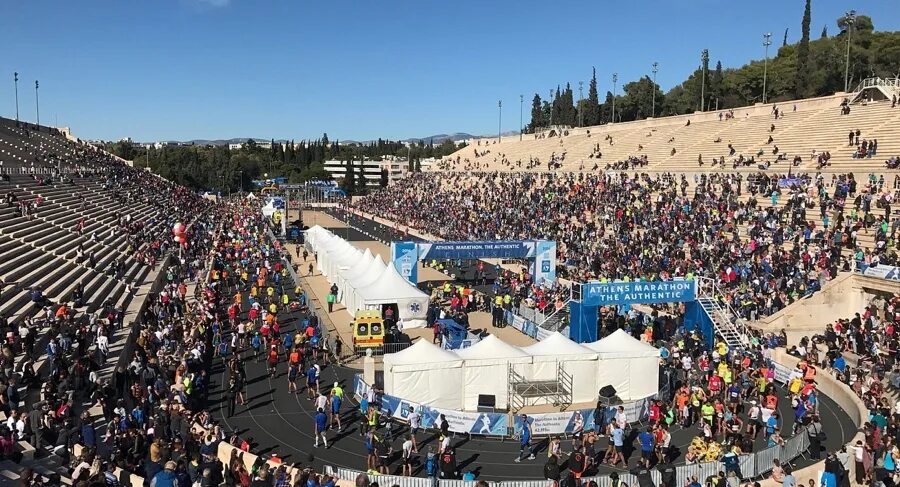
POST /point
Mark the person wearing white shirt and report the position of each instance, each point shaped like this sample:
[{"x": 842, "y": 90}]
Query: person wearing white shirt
[
  {"x": 621, "y": 418},
  {"x": 322, "y": 402}
]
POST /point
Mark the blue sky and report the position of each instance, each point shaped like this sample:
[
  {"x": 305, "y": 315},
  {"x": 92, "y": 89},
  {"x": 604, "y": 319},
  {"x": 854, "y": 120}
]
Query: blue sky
[{"x": 184, "y": 69}]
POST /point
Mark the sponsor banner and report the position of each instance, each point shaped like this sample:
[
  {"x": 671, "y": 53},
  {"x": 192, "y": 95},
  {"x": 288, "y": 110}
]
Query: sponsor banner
[
  {"x": 788, "y": 182},
  {"x": 405, "y": 258},
  {"x": 626, "y": 293},
  {"x": 487, "y": 424},
  {"x": 556, "y": 423},
  {"x": 513, "y": 249},
  {"x": 521, "y": 324},
  {"x": 544, "y": 270},
  {"x": 883, "y": 272}
]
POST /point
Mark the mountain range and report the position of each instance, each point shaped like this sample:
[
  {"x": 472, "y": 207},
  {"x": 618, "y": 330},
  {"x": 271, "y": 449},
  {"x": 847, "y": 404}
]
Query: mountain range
[{"x": 437, "y": 139}]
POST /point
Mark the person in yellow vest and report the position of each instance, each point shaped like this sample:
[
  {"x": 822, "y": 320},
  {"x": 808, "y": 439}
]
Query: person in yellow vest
[
  {"x": 253, "y": 291},
  {"x": 507, "y": 301},
  {"x": 273, "y": 308},
  {"x": 285, "y": 301},
  {"x": 270, "y": 293}
]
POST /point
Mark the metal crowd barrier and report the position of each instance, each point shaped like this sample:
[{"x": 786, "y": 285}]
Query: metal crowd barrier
[{"x": 753, "y": 465}]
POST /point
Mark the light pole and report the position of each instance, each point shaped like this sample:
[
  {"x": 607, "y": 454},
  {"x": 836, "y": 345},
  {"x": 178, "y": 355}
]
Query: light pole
[
  {"x": 655, "y": 68},
  {"x": 521, "y": 127},
  {"x": 16, "y": 82},
  {"x": 550, "y": 101},
  {"x": 499, "y": 119},
  {"x": 37, "y": 102},
  {"x": 767, "y": 41},
  {"x": 850, "y": 18},
  {"x": 615, "y": 80},
  {"x": 704, "y": 61}
]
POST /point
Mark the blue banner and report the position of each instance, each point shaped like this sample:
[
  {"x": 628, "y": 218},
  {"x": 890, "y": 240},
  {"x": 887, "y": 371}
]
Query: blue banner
[
  {"x": 405, "y": 257},
  {"x": 515, "y": 249},
  {"x": 540, "y": 253},
  {"x": 622, "y": 293},
  {"x": 544, "y": 270},
  {"x": 487, "y": 424}
]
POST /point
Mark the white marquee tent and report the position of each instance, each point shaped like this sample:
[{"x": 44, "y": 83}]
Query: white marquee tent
[
  {"x": 486, "y": 370},
  {"x": 578, "y": 361},
  {"x": 357, "y": 270},
  {"x": 426, "y": 374},
  {"x": 350, "y": 298},
  {"x": 392, "y": 288},
  {"x": 628, "y": 364}
]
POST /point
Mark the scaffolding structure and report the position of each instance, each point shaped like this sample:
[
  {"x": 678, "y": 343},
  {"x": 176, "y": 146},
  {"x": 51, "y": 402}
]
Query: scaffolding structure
[{"x": 524, "y": 392}]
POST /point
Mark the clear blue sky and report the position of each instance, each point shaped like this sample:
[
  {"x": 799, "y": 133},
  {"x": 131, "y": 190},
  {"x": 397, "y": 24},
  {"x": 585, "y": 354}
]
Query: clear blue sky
[{"x": 183, "y": 69}]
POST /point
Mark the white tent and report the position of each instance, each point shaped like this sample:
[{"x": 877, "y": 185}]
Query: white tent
[
  {"x": 338, "y": 258},
  {"x": 392, "y": 288},
  {"x": 628, "y": 364},
  {"x": 328, "y": 248},
  {"x": 578, "y": 361},
  {"x": 358, "y": 269},
  {"x": 426, "y": 374},
  {"x": 486, "y": 371},
  {"x": 351, "y": 298}
]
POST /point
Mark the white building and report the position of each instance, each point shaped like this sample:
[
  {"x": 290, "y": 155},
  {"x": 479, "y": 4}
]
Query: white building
[{"x": 371, "y": 169}]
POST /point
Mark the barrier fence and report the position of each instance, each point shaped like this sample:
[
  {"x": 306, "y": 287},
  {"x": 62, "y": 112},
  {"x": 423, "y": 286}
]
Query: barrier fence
[{"x": 753, "y": 465}]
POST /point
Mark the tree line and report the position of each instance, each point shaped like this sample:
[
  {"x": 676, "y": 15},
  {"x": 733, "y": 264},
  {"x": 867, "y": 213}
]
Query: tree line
[
  {"x": 808, "y": 68},
  {"x": 219, "y": 168}
]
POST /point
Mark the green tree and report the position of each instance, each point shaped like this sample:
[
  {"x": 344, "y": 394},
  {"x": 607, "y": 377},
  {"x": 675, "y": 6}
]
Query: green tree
[
  {"x": 348, "y": 184},
  {"x": 384, "y": 178},
  {"x": 361, "y": 184},
  {"x": 592, "y": 105},
  {"x": 802, "y": 85},
  {"x": 537, "y": 114},
  {"x": 824, "y": 32}
]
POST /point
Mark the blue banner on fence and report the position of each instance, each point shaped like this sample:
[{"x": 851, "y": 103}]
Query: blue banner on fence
[
  {"x": 622, "y": 293},
  {"x": 487, "y": 424}
]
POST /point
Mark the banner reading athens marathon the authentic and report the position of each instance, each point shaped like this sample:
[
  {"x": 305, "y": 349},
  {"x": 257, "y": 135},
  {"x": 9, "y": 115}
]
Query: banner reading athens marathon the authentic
[{"x": 620, "y": 293}]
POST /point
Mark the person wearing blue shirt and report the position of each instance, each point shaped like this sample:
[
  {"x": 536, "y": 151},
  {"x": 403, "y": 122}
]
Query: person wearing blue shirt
[
  {"x": 840, "y": 364},
  {"x": 771, "y": 424},
  {"x": 336, "y": 410},
  {"x": 525, "y": 440},
  {"x": 646, "y": 440},
  {"x": 321, "y": 424},
  {"x": 312, "y": 383}
]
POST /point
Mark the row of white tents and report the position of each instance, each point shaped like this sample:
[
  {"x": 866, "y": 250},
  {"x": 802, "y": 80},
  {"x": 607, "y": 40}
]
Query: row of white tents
[
  {"x": 364, "y": 281},
  {"x": 429, "y": 375}
]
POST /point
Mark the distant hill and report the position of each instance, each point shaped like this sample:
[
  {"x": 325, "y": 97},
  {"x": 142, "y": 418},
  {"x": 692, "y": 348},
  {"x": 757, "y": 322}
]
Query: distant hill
[{"x": 437, "y": 139}]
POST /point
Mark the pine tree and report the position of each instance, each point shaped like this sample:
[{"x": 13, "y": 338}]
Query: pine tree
[
  {"x": 418, "y": 165},
  {"x": 825, "y": 32},
  {"x": 784, "y": 43},
  {"x": 802, "y": 83},
  {"x": 384, "y": 178}
]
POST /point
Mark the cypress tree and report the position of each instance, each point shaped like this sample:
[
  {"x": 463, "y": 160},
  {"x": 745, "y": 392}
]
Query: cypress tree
[{"x": 802, "y": 77}]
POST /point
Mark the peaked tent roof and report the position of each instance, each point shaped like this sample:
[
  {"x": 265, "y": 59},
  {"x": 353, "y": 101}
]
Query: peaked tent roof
[
  {"x": 371, "y": 274},
  {"x": 419, "y": 355},
  {"x": 558, "y": 345},
  {"x": 620, "y": 344},
  {"x": 492, "y": 348},
  {"x": 389, "y": 287},
  {"x": 360, "y": 267}
]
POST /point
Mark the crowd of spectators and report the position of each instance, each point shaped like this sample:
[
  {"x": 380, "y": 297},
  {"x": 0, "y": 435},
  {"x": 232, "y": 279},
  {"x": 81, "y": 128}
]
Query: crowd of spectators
[
  {"x": 861, "y": 352},
  {"x": 764, "y": 254}
]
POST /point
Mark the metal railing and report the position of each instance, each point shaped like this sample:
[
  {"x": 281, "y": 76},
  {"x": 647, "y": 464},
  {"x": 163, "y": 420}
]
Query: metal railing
[{"x": 751, "y": 466}]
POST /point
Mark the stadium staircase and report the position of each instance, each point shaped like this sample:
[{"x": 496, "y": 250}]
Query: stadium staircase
[{"x": 719, "y": 316}]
